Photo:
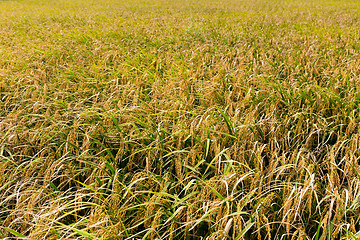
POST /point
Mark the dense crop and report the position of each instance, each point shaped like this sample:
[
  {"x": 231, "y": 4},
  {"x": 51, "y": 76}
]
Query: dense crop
[{"x": 179, "y": 119}]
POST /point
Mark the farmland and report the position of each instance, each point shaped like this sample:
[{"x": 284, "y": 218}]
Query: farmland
[{"x": 182, "y": 119}]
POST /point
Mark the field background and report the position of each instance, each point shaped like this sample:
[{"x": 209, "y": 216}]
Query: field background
[{"x": 179, "y": 119}]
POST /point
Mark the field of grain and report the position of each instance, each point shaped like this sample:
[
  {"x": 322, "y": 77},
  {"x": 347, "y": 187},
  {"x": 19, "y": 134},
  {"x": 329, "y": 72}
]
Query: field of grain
[{"x": 149, "y": 119}]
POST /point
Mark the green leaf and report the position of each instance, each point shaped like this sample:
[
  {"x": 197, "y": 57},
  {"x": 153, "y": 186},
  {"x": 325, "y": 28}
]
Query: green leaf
[
  {"x": 15, "y": 233},
  {"x": 54, "y": 186},
  {"x": 228, "y": 123},
  {"x": 249, "y": 224},
  {"x": 214, "y": 190}
]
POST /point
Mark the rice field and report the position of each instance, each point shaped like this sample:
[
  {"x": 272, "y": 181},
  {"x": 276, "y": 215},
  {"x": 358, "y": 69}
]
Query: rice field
[{"x": 162, "y": 119}]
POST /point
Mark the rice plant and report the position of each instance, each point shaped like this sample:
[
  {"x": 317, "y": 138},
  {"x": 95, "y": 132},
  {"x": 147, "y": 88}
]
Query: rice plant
[{"x": 179, "y": 119}]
